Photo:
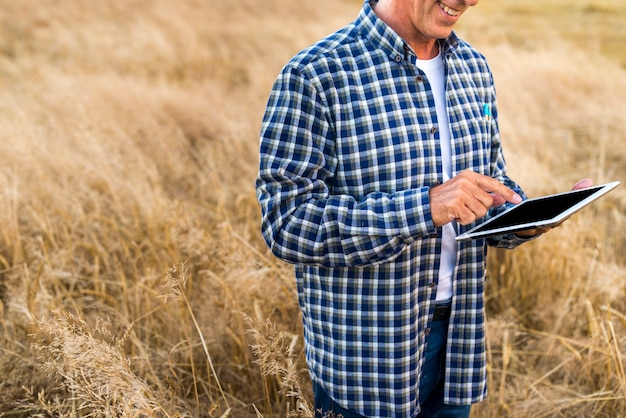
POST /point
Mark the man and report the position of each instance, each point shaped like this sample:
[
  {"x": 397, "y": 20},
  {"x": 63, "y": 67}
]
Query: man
[{"x": 379, "y": 145}]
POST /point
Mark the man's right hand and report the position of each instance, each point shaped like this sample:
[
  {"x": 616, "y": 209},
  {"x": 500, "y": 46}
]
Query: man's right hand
[{"x": 467, "y": 197}]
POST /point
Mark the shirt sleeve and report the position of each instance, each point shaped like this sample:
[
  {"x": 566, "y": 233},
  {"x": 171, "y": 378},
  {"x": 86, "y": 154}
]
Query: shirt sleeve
[{"x": 302, "y": 220}]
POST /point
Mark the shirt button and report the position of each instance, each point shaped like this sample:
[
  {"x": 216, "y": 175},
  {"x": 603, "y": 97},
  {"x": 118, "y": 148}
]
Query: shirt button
[
  {"x": 427, "y": 331},
  {"x": 432, "y": 285},
  {"x": 398, "y": 58},
  {"x": 433, "y": 129},
  {"x": 419, "y": 78}
]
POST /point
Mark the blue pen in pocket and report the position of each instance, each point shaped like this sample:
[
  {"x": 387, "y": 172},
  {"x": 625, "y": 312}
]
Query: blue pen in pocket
[{"x": 487, "y": 111}]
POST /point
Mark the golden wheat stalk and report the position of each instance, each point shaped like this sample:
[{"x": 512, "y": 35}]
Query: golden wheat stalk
[{"x": 92, "y": 369}]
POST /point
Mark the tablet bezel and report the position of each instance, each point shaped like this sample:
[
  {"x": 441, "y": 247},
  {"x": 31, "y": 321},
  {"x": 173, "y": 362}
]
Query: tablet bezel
[{"x": 602, "y": 189}]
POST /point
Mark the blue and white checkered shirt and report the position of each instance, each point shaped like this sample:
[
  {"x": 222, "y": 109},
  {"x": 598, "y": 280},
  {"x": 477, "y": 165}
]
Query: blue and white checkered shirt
[{"x": 349, "y": 150}]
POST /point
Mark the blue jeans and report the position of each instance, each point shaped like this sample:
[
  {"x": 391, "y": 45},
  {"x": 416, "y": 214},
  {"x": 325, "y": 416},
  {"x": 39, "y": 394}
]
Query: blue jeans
[
  {"x": 431, "y": 384},
  {"x": 326, "y": 407},
  {"x": 432, "y": 378}
]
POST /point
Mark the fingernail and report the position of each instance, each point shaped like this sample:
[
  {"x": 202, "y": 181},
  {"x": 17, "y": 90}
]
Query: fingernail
[{"x": 517, "y": 198}]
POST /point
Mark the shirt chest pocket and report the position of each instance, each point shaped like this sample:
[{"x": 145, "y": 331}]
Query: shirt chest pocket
[{"x": 472, "y": 138}]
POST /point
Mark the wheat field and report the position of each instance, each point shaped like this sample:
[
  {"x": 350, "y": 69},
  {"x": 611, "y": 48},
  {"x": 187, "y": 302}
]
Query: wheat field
[{"x": 133, "y": 278}]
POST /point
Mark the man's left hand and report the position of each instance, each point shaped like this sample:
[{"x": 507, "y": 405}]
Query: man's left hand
[{"x": 582, "y": 184}]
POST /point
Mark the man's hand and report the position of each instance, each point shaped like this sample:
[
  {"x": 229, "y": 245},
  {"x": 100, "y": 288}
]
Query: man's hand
[
  {"x": 582, "y": 184},
  {"x": 467, "y": 197}
]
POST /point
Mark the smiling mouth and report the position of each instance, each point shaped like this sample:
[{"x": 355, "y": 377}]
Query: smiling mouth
[{"x": 449, "y": 11}]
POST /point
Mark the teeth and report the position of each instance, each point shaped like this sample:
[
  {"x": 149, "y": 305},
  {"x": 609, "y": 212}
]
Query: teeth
[{"x": 448, "y": 10}]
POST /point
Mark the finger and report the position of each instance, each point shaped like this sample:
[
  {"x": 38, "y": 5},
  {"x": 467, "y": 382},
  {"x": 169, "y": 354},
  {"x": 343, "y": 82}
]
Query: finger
[
  {"x": 473, "y": 209},
  {"x": 492, "y": 185},
  {"x": 583, "y": 184},
  {"x": 464, "y": 216},
  {"x": 481, "y": 203},
  {"x": 528, "y": 233},
  {"x": 497, "y": 200}
]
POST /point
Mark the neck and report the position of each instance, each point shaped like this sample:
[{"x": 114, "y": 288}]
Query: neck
[{"x": 426, "y": 52}]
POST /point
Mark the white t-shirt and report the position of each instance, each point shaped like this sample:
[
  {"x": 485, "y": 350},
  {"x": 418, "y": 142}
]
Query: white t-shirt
[{"x": 435, "y": 73}]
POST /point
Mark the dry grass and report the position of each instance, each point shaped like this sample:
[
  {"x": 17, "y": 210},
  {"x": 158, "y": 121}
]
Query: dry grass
[{"x": 133, "y": 279}]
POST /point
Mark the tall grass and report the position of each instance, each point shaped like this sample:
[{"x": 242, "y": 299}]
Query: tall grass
[{"x": 133, "y": 278}]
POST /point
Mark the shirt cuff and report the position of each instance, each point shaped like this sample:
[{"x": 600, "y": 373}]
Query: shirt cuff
[{"x": 413, "y": 214}]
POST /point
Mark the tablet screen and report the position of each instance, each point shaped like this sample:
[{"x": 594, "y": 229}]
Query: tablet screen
[
  {"x": 542, "y": 211},
  {"x": 538, "y": 210}
]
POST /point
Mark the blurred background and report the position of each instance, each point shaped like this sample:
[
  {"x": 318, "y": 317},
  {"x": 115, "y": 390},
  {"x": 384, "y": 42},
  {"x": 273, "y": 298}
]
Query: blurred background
[{"x": 133, "y": 278}]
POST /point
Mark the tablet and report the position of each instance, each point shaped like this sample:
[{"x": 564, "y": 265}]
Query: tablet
[{"x": 543, "y": 211}]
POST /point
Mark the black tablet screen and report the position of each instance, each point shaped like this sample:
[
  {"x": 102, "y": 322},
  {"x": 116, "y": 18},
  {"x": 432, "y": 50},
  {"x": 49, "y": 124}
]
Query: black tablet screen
[{"x": 538, "y": 210}]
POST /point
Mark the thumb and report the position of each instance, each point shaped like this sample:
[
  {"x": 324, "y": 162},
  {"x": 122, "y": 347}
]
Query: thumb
[
  {"x": 583, "y": 184},
  {"x": 497, "y": 200}
]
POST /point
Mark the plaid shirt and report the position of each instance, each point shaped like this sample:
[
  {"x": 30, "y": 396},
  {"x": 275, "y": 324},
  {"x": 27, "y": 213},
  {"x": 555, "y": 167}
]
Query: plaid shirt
[{"x": 349, "y": 150}]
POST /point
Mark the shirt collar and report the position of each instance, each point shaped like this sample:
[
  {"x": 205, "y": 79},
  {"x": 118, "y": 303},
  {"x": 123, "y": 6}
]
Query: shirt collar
[{"x": 376, "y": 32}]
